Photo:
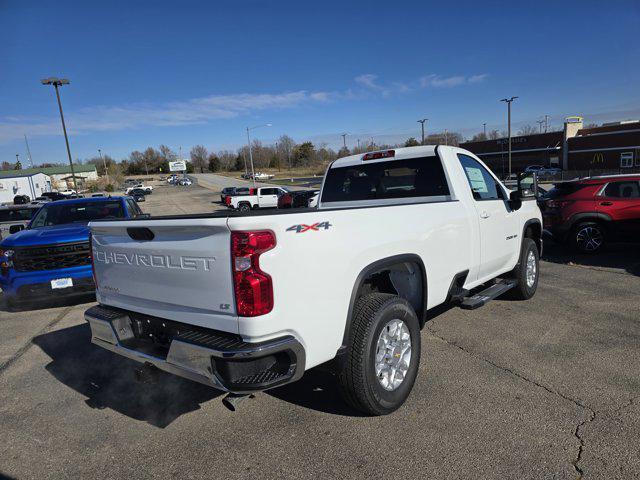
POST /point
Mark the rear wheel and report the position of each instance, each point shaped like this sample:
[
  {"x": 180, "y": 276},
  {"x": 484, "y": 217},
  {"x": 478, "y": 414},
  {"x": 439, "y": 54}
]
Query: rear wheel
[
  {"x": 244, "y": 207},
  {"x": 588, "y": 237},
  {"x": 383, "y": 354}
]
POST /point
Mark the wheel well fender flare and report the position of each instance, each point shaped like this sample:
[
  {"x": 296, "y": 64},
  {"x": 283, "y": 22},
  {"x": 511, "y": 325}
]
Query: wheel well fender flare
[
  {"x": 534, "y": 225},
  {"x": 380, "y": 266},
  {"x": 588, "y": 217}
]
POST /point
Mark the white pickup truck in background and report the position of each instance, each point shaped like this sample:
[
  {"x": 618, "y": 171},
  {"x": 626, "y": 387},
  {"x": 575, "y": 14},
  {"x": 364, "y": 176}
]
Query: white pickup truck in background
[
  {"x": 247, "y": 302},
  {"x": 264, "y": 197}
]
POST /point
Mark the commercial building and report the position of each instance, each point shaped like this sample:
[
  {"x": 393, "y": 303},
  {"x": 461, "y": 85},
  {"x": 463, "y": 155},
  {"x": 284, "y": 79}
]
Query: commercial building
[
  {"x": 16, "y": 182},
  {"x": 610, "y": 147},
  {"x": 60, "y": 176}
]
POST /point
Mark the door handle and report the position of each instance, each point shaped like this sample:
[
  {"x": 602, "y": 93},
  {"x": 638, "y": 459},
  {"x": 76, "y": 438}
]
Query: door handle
[
  {"x": 484, "y": 215},
  {"x": 606, "y": 204}
]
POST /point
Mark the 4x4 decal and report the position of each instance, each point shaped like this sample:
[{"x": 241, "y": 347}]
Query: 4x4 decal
[{"x": 306, "y": 228}]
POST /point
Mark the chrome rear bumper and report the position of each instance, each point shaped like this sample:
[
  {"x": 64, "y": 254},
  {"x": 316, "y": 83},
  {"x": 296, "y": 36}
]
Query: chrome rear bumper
[{"x": 206, "y": 357}]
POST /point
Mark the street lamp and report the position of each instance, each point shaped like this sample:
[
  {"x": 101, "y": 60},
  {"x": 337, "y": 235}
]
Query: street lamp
[
  {"x": 344, "y": 140},
  {"x": 484, "y": 130},
  {"x": 508, "y": 102},
  {"x": 422, "y": 122},
  {"x": 253, "y": 175},
  {"x": 106, "y": 172},
  {"x": 57, "y": 82}
]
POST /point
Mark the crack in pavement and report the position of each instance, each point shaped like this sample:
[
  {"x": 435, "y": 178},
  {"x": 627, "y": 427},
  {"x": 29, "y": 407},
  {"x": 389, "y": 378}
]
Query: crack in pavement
[
  {"x": 22, "y": 350},
  {"x": 576, "y": 431}
]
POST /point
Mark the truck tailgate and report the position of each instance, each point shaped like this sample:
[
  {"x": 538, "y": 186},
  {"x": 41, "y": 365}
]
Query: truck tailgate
[{"x": 176, "y": 269}]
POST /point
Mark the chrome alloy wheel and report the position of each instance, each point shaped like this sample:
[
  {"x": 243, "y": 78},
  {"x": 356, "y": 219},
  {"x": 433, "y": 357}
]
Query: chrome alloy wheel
[
  {"x": 589, "y": 238},
  {"x": 393, "y": 354},
  {"x": 532, "y": 269}
]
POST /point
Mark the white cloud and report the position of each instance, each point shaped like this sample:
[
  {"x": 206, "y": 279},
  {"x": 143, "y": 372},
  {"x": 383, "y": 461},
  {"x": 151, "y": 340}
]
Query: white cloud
[
  {"x": 179, "y": 113},
  {"x": 438, "y": 81},
  {"x": 368, "y": 80}
]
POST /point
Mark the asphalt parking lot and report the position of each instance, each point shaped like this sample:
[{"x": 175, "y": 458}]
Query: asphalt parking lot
[{"x": 547, "y": 388}]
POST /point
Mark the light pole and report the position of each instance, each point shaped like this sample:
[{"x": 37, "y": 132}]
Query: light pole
[
  {"x": 508, "y": 102},
  {"x": 253, "y": 175},
  {"x": 484, "y": 130},
  {"x": 422, "y": 125},
  {"x": 57, "y": 82},
  {"x": 344, "y": 140},
  {"x": 106, "y": 172}
]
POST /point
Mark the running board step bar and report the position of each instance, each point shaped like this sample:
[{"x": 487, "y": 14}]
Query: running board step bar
[{"x": 479, "y": 299}]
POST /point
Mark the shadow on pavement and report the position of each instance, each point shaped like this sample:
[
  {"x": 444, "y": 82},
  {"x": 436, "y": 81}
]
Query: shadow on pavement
[
  {"x": 316, "y": 390},
  {"x": 44, "y": 303},
  {"x": 622, "y": 256},
  {"x": 108, "y": 380}
]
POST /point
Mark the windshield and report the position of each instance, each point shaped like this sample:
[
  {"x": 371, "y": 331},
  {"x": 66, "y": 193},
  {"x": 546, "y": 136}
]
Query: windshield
[{"x": 77, "y": 212}]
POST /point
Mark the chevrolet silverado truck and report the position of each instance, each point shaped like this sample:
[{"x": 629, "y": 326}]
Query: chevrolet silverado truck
[
  {"x": 248, "y": 302},
  {"x": 262, "y": 197},
  {"x": 51, "y": 255}
]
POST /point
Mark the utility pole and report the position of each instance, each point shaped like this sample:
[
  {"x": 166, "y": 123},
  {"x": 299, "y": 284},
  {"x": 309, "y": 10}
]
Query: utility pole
[
  {"x": 484, "y": 130},
  {"x": 57, "y": 82},
  {"x": 446, "y": 137},
  {"x": 508, "y": 102},
  {"x": 106, "y": 172},
  {"x": 421, "y": 122},
  {"x": 28, "y": 151},
  {"x": 344, "y": 140},
  {"x": 253, "y": 174},
  {"x": 546, "y": 123},
  {"x": 358, "y": 145}
]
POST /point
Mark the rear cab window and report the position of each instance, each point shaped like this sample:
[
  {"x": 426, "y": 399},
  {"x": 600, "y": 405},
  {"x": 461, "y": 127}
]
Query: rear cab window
[{"x": 412, "y": 178}]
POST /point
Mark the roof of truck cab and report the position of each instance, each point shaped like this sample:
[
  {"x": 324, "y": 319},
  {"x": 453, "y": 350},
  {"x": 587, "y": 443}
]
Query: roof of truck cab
[
  {"x": 71, "y": 201},
  {"x": 400, "y": 154}
]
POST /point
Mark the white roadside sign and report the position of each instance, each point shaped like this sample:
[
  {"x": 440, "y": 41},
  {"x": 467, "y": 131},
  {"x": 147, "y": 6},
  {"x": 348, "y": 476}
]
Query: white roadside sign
[{"x": 178, "y": 166}]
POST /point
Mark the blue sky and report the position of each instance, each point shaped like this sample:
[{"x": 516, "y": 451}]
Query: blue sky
[{"x": 186, "y": 73}]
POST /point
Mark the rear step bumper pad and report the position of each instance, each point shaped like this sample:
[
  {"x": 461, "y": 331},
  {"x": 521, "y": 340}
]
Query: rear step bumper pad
[{"x": 111, "y": 327}]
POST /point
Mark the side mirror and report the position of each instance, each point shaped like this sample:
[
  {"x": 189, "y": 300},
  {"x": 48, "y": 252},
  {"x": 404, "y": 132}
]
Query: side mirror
[
  {"x": 528, "y": 185},
  {"x": 515, "y": 200},
  {"x": 16, "y": 228}
]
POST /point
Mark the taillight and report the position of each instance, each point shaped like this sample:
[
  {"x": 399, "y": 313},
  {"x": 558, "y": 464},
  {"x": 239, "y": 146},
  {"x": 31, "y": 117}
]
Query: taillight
[
  {"x": 253, "y": 287},
  {"x": 227, "y": 200},
  {"x": 558, "y": 203},
  {"x": 93, "y": 267}
]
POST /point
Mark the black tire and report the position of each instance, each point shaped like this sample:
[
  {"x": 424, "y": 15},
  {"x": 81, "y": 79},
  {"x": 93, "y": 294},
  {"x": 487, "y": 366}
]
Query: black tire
[
  {"x": 357, "y": 377},
  {"x": 588, "y": 237},
  {"x": 525, "y": 290},
  {"x": 244, "y": 207}
]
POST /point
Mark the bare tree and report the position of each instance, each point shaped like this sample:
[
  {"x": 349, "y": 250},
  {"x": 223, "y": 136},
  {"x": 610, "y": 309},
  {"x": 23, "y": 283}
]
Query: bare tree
[
  {"x": 199, "y": 158},
  {"x": 527, "y": 130},
  {"x": 493, "y": 135},
  {"x": 286, "y": 146}
]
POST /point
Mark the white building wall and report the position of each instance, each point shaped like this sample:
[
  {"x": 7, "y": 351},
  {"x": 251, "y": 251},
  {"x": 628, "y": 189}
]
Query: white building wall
[
  {"x": 60, "y": 184},
  {"x": 31, "y": 185}
]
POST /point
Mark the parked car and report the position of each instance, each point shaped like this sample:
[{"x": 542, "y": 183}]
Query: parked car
[
  {"x": 54, "y": 196},
  {"x": 15, "y": 215},
  {"x": 68, "y": 192},
  {"x": 263, "y": 197},
  {"x": 589, "y": 212},
  {"x": 97, "y": 195},
  {"x": 147, "y": 189},
  {"x": 542, "y": 171},
  {"x": 296, "y": 198},
  {"x": 396, "y": 233},
  {"x": 137, "y": 193},
  {"x": 51, "y": 256},
  {"x": 21, "y": 199},
  {"x": 40, "y": 200},
  {"x": 185, "y": 182}
]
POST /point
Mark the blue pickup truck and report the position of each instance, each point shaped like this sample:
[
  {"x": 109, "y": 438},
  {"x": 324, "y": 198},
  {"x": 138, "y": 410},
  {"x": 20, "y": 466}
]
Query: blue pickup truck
[{"x": 51, "y": 256}]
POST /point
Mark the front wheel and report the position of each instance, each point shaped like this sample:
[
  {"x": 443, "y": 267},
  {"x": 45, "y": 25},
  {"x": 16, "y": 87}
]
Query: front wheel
[
  {"x": 526, "y": 272},
  {"x": 383, "y": 354}
]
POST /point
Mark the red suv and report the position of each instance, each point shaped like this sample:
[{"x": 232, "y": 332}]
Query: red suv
[{"x": 587, "y": 212}]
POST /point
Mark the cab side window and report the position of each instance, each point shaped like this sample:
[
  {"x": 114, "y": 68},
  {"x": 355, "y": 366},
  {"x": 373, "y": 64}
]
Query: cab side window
[
  {"x": 622, "y": 190},
  {"x": 482, "y": 184}
]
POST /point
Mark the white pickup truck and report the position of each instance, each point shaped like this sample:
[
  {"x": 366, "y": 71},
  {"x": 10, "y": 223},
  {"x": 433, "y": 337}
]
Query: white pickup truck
[
  {"x": 250, "y": 302},
  {"x": 264, "y": 197}
]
